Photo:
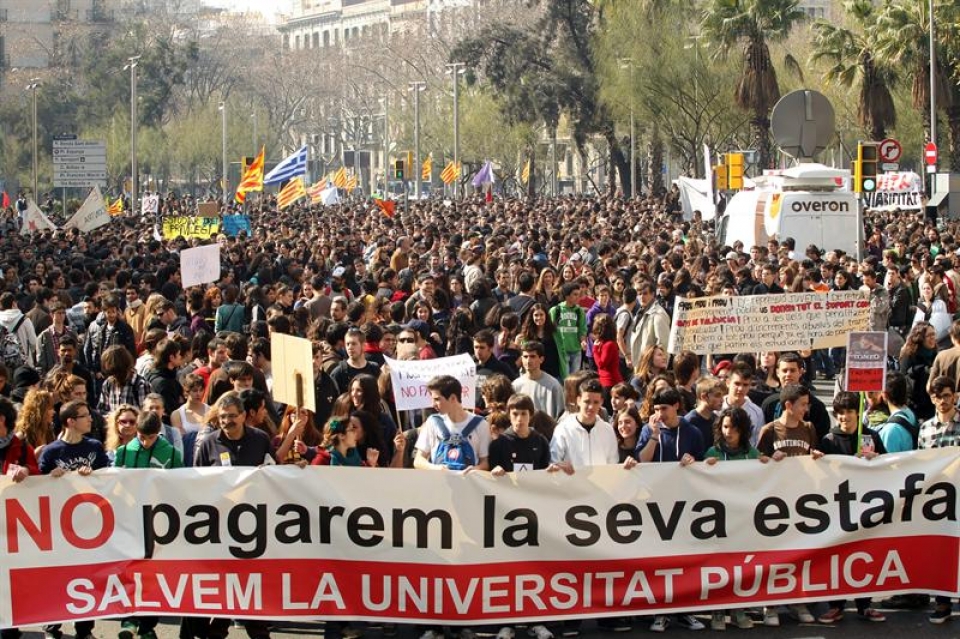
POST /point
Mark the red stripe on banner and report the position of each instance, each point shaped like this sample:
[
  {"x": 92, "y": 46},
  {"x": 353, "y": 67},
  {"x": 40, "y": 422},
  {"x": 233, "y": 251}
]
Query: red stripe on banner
[{"x": 409, "y": 592}]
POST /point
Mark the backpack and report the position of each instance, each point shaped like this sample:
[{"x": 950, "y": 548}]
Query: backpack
[
  {"x": 454, "y": 451},
  {"x": 11, "y": 350},
  {"x": 913, "y": 429}
]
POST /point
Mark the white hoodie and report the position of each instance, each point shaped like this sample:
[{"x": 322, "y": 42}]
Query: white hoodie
[{"x": 26, "y": 333}]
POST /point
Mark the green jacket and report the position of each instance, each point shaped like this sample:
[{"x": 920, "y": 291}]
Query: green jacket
[
  {"x": 571, "y": 323},
  {"x": 161, "y": 455}
]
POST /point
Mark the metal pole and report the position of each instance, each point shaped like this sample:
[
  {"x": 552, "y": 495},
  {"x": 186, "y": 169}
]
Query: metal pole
[
  {"x": 255, "y": 137},
  {"x": 553, "y": 159},
  {"x": 386, "y": 146},
  {"x": 416, "y": 87},
  {"x": 33, "y": 86},
  {"x": 223, "y": 148},
  {"x": 134, "y": 177},
  {"x": 456, "y": 68},
  {"x": 633, "y": 156},
  {"x": 933, "y": 81}
]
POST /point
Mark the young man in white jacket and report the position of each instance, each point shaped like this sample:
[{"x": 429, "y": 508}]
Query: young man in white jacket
[
  {"x": 580, "y": 440},
  {"x": 583, "y": 439}
]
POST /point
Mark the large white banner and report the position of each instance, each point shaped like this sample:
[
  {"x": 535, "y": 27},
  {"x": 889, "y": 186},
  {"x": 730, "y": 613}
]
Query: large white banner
[
  {"x": 413, "y": 546},
  {"x": 755, "y": 323},
  {"x": 410, "y": 379}
]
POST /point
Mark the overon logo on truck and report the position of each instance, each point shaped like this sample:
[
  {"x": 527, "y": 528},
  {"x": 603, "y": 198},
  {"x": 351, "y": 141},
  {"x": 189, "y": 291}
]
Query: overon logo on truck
[{"x": 820, "y": 206}]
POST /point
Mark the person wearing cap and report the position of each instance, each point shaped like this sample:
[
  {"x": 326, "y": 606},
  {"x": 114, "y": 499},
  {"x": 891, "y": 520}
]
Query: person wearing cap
[{"x": 338, "y": 283}]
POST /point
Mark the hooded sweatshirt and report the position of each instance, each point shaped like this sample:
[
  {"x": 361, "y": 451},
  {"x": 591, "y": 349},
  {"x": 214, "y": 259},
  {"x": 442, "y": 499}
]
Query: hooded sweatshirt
[
  {"x": 161, "y": 455},
  {"x": 25, "y": 334}
]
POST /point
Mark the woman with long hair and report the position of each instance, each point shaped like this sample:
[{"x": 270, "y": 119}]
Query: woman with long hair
[
  {"x": 189, "y": 417},
  {"x": 537, "y": 326},
  {"x": 546, "y": 290},
  {"x": 916, "y": 360},
  {"x": 35, "y": 420},
  {"x": 365, "y": 396},
  {"x": 460, "y": 332},
  {"x": 606, "y": 354},
  {"x": 298, "y": 437},
  {"x": 652, "y": 362},
  {"x": 121, "y": 428}
]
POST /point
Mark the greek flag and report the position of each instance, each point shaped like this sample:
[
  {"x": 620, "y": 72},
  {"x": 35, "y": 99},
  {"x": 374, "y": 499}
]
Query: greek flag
[{"x": 291, "y": 167}]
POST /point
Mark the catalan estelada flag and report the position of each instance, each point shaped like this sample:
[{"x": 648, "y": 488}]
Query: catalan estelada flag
[
  {"x": 293, "y": 191},
  {"x": 252, "y": 178},
  {"x": 387, "y": 207}
]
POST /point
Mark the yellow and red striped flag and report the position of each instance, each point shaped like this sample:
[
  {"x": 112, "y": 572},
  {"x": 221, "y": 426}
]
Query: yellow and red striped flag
[
  {"x": 340, "y": 178},
  {"x": 352, "y": 182},
  {"x": 252, "y": 178},
  {"x": 426, "y": 170},
  {"x": 450, "y": 173},
  {"x": 387, "y": 207},
  {"x": 293, "y": 191},
  {"x": 315, "y": 190},
  {"x": 117, "y": 207},
  {"x": 525, "y": 174}
]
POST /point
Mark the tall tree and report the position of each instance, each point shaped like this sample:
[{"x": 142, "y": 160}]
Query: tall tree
[
  {"x": 752, "y": 24},
  {"x": 548, "y": 70},
  {"x": 853, "y": 61}
]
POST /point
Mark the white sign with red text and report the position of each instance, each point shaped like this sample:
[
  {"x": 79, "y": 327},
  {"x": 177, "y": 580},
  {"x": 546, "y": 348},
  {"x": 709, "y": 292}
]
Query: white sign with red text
[
  {"x": 410, "y": 379},
  {"x": 281, "y": 542}
]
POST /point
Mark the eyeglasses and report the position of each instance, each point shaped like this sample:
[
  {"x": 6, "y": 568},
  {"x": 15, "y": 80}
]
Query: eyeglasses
[
  {"x": 82, "y": 416},
  {"x": 407, "y": 340},
  {"x": 126, "y": 421}
]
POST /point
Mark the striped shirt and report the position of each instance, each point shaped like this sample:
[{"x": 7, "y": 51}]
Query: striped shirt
[{"x": 133, "y": 392}]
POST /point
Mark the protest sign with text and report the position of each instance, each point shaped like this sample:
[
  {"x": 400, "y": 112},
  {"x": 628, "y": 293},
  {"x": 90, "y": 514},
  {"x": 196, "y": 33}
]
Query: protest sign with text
[
  {"x": 200, "y": 265},
  {"x": 342, "y": 543},
  {"x": 779, "y": 322},
  {"x": 866, "y": 368},
  {"x": 410, "y": 379},
  {"x": 190, "y": 227}
]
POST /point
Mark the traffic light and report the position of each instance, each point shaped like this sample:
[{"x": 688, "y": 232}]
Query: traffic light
[
  {"x": 734, "y": 171},
  {"x": 857, "y": 176},
  {"x": 398, "y": 170},
  {"x": 867, "y": 158},
  {"x": 411, "y": 171},
  {"x": 720, "y": 171}
]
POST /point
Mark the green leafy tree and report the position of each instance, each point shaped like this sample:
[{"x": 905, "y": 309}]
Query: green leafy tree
[
  {"x": 853, "y": 61},
  {"x": 751, "y": 25}
]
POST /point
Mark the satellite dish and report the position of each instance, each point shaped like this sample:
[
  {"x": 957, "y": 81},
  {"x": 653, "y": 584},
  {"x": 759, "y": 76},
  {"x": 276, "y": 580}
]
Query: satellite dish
[{"x": 803, "y": 124}]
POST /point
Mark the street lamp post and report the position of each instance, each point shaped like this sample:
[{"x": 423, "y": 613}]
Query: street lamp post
[
  {"x": 255, "y": 136},
  {"x": 455, "y": 69},
  {"x": 223, "y": 147},
  {"x": 134, "y": 178},
  {"x": 33, "y": 86},
  {"x": 933, "y": 81},
  {"x": 386, "y": 145},
  {"x": 417, "y": 88},
  {"x": 627, "y": 63}
]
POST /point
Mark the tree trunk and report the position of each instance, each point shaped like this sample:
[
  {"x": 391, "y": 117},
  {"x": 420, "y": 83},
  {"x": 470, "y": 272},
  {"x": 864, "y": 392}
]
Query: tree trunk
[
  {"x": 655, "y": 162},
  {"x": 532, "y": 179},
  {"x": 953, "y": 126},
  {"x": 760, "y": 125},
  {"x": 619, "y": 164}
]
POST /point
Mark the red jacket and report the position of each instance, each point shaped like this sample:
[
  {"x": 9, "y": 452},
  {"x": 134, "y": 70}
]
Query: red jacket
[
  {"x": 607, "y": 357},
  {"x": 20, "y": 453}
]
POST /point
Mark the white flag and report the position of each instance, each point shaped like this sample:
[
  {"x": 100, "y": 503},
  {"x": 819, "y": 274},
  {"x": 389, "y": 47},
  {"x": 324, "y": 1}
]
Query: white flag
[
  {"x": 330, "y": 196},
  {"x": 34, "y": 220},
  {"x": 92, "y": 215}
]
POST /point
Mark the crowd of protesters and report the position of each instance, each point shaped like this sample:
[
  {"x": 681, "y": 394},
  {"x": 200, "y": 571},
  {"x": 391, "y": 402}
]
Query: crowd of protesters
[{"x": 565, "y": 305}]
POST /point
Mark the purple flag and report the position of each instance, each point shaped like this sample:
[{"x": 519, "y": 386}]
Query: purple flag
[{"x": 484, "y": 175}]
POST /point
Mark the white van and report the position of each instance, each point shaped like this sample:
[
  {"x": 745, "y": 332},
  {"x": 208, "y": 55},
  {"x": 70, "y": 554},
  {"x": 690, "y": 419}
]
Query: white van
[{"x": 826, "y": 216}]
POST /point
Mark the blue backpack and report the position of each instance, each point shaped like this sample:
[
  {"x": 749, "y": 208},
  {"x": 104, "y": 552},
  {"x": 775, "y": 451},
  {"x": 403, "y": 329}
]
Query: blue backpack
[{"x": 454, "y": 451}]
